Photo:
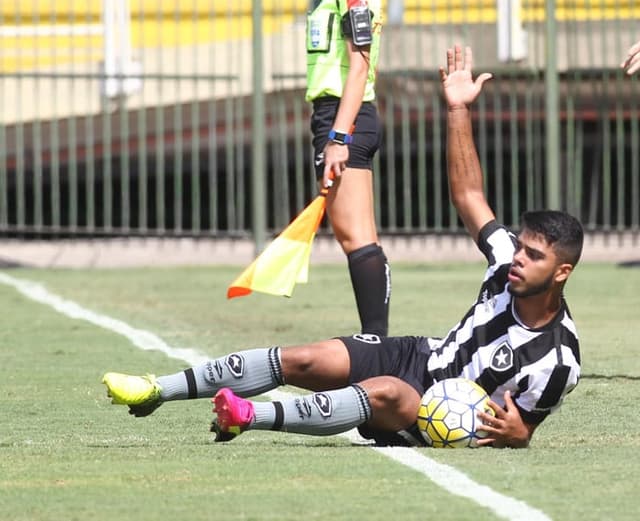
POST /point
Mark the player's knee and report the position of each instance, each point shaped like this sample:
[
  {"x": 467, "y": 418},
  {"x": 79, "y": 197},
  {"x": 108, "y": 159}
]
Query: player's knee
[
  {"x": 385, "y": 393},
  {"x": 392, "y": 394},
  {"x": 297, "y": 361}
]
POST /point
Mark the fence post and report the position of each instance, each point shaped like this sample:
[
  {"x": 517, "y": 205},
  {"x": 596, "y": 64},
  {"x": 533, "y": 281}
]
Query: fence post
[
  {"x": 258, "y": 168},
  {"x": 552, "y": 125},
  {"x": 121, "y": 73}
]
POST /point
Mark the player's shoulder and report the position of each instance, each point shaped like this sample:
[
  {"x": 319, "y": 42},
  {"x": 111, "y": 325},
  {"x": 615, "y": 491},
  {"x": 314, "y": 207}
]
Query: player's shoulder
[
  {"x": 495, "y": 230},
  {"x": 497, "y": 242}
]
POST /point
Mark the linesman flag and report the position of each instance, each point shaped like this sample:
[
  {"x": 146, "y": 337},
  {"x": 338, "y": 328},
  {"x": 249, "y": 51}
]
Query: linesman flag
[{"x": 285, "y": 261}]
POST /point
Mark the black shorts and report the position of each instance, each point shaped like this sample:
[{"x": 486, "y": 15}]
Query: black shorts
[
  {"x": 367, "y": 135},
  {"x": 404, "y": 357}
]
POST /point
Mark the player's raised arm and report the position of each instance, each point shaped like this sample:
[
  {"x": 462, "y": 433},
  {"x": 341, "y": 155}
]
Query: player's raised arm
[{"x": 463, "y": 165}]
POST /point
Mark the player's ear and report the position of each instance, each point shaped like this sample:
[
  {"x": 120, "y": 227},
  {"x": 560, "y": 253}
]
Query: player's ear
[{"x": 562, "y": 272}]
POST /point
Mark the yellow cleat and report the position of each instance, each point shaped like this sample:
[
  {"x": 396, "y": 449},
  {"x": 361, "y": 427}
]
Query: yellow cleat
[{"x": 140, "y": 393}]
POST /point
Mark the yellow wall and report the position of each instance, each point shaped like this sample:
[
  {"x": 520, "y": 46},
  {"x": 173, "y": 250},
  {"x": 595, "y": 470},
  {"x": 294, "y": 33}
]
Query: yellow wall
[
  {"x": 154, "y": 23},
  {"x": 16, "y": 10},
  {"x": 484, "y": 11},
  {"x": 175, "y": 22}
]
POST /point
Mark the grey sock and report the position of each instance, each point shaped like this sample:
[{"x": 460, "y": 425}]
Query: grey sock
[
  {"x": 246, "y": 373},
  {"x": 321, "y": 414}
]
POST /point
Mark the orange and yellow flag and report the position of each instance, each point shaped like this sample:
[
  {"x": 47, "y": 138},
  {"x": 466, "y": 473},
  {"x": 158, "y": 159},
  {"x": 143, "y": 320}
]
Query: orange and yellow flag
[{"x": 285, "y": 261}]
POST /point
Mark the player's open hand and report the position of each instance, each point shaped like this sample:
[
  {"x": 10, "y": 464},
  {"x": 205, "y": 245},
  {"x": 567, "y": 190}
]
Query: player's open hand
[
  {"x": 632, "y": 63},
  {"x": 460, "y": 89},
  {"x": 506, "y": 429}
]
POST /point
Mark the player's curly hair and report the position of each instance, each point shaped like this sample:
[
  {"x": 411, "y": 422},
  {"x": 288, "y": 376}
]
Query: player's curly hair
[{"x": 561, "y": 230}]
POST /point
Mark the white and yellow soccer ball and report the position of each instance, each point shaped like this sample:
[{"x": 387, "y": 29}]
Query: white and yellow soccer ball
[{"x": 448, "y": 413}]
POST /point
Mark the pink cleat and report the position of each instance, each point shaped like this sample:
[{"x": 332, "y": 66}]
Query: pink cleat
[{"x": 234, "y": 414}]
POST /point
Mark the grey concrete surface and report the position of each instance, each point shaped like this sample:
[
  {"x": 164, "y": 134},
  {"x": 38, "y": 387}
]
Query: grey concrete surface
[{"x": 136, "y": 252}]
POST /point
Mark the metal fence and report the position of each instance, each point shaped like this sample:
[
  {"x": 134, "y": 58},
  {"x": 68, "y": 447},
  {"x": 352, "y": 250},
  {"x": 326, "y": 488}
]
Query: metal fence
[{"x": 145, "y": 118}]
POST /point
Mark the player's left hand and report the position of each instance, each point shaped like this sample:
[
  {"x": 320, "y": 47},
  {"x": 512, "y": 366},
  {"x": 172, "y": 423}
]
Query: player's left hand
[
  {"x": 506, "y": 429},
  {"x": 460, "y": 89}
]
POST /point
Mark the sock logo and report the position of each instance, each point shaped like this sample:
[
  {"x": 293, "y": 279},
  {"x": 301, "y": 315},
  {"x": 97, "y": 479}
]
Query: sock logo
[
  {"x": 303, "y": 408},
  {"x": 218, "y": 367},
  {"x": 235, "y": 364},
  {"x": 323, "y": 403},
  {"x": 387, "y": 278},
  {"x": 209, "y": 369},
  {"x": 213, "y": 371}
]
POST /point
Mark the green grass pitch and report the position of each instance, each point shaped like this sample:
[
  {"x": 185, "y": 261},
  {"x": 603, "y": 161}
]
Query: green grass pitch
[{"x": 66, "y": 453}]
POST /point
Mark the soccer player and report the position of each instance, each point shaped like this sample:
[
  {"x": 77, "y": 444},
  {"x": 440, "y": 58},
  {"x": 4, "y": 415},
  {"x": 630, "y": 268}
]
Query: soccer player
[{"x": 517, "y": 341}]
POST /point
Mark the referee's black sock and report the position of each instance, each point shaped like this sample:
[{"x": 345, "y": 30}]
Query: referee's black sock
[{"x": 371, "y": 281}]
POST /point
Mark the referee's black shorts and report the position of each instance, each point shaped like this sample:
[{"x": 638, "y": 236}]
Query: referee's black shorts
[
  {"x": 367, "y": 135},
  {"x": 404, "y": 357}
]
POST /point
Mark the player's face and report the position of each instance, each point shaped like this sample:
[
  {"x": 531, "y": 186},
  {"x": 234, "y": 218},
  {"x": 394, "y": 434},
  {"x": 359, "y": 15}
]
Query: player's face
[{"x": 534, "y": 266}]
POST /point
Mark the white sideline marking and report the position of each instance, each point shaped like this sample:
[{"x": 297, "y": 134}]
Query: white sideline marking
[
  {"x": 455, "y": 482},
  {"x": 450, "y": 479}
]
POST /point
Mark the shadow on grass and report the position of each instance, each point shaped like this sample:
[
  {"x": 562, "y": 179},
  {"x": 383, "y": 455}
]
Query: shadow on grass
[{"x": 609, "y": 377}]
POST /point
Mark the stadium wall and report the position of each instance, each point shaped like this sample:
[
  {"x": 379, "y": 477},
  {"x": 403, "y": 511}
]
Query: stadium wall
[{"x": 173, "y": 159}]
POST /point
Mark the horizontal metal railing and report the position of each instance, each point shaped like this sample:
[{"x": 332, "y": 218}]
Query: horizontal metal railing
[{"x": 174, "y": 157}]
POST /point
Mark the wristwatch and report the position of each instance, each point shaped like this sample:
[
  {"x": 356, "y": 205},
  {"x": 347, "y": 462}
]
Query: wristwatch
[{"x": 340, "y": 137}]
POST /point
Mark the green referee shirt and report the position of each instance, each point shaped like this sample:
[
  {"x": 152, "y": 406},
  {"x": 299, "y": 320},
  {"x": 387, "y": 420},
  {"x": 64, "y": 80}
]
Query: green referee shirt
[{"x": 327, "y": 51}]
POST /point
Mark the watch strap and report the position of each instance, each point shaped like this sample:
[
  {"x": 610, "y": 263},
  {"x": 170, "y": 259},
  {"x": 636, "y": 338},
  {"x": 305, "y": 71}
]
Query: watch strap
[{"x": 341, "y": 138}]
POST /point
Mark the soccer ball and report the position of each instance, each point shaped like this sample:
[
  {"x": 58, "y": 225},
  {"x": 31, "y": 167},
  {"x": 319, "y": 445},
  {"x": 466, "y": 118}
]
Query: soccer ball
[{"x": 448, "y": 413}]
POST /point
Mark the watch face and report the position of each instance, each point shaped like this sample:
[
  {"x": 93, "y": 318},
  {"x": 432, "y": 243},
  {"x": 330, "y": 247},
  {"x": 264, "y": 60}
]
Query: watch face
[{"x": 340, "y": 137}]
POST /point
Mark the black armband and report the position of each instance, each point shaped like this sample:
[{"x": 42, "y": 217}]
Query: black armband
[{"x": 357, "y": 24}]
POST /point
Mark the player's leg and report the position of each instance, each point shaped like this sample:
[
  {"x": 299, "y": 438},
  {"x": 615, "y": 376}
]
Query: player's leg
[
  {"x": 364, "y": 361},
  {"x": 247, "y": 373},
  {"x": 318, "y": 366},
  {"x": 385, "y": 402},
  {"x": 394, "y": 403},
  {"x": 350, "y": 209}
]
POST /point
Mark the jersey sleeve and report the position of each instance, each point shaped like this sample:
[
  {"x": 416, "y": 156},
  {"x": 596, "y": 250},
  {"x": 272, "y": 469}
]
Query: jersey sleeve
[
  {"x": 496, "y": 243},
  {"x": 345, "y": 5},
  {"x": 373, "y": 5},
  {"x": 547, "y": 386}
]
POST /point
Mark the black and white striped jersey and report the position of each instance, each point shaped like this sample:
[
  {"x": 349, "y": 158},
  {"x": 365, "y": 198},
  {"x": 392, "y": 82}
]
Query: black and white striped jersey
[{"x": 491, "y": 346}]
